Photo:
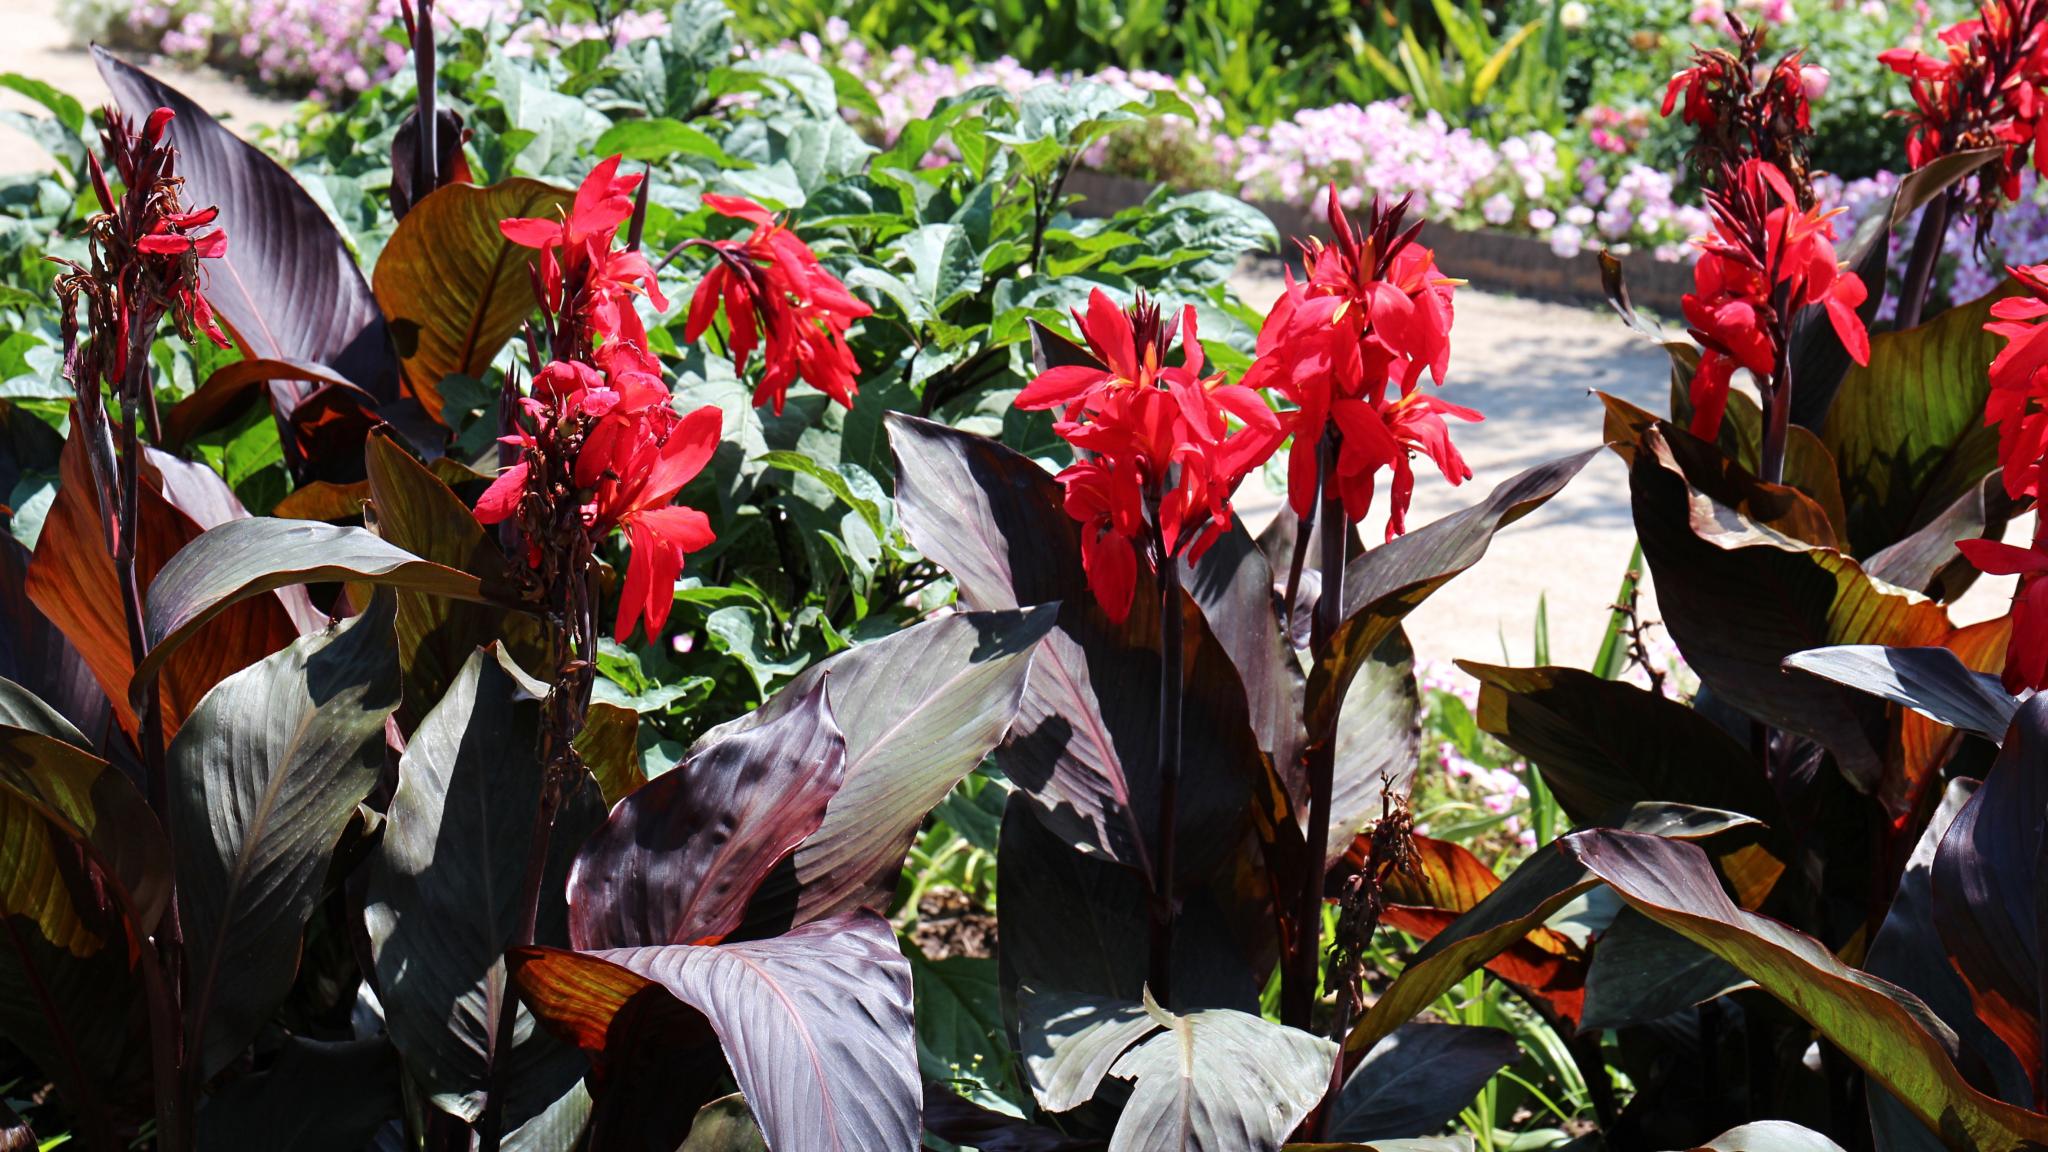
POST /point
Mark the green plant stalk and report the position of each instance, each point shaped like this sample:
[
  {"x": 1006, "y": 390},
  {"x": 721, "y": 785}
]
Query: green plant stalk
[{"x": 1160, "y": 972}]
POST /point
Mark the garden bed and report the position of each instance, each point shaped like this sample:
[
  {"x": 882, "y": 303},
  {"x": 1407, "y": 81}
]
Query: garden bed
[{"x": 1488, "y": 259}]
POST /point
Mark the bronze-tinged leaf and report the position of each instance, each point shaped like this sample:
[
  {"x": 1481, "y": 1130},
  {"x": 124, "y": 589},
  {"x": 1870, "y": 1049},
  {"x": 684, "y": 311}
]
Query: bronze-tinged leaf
[
  {"x": 609, "y": 746},
  {"x": 73, "y": 581},
  {"x": 453, "y": 288},
  {"x": 232, "y": 388},
  {"x": 678, "y": 859}
]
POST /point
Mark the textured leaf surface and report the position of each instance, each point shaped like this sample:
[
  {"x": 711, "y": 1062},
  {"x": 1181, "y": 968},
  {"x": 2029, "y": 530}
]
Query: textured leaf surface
[
  {"x": 268, "y": 771},
  {"x": 453, "y": 288},
  {"x": 1931, "y": 681}
]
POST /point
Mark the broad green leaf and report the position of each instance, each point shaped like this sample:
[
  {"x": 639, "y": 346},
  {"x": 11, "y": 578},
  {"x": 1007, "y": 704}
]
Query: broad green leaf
[{"x": 658, "y": 138}]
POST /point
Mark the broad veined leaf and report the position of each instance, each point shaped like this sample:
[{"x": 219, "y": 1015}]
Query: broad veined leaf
[
  {"x": 1234, "y": 585},
  {"x": 416, "y": 510},
  {"x": 73, "y": 581},
  {"x": 1448, "y": 881},
  {"x": 1908, "y": 431},
  {"x": 268, "y": 771},
  {"x": 1209, "y": 1081},
  {"x": 1931, "y": 681},
  {"x": 725, "y": 1125},
  {"x": 609, "y": 745},
  {"x": 816, "y": 1024},
  {"x": 1085, "y": 742},
  {"x": 21, "y": 708},
  {"x": 1884, "y": 1029},
  {"x": 443, "y": 896},
  {"x": 677, "y": 860},
  {"x": 1418, "y": 1080},
  {"x": 246, "y": 558},
  {"x": 954, "y": 686},
  {"x": 963, "y": 1122},
  {"x": 287, "y": 288},
  {"x": 1507, "y": 915},
  {"x": 1770, "y": 1136},
  {"x": 1908, "y": 951},
  {"x": 84, "y": 874},
  {"x": 38, "y": 657},
  {"x": 1605, "y": 745},
  {"x": 1384, "y": 585},
  {"x": 960, "y": 1027},
  {"x": 1987, "y": 889},
  {"x": 232, "y": 388},
  {"x": 1928, "y": 560},
  {"x": 1739, "y": 597},
  {"x": 1643, "y": 971},
  {"x": 452, "y": 287}
]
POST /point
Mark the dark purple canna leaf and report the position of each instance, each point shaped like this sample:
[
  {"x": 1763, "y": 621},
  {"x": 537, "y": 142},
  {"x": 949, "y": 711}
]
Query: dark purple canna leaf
[
  {"x": 963, "y": 1122},
  {"x": 815, "y": 1024},
  {"x": 1418, "y": 1080},
  {"x": 1085, "y": 741},
  {"x": 1931, "y": 681},
  {"x": 1987, "y": 890},
  {"x": 316, "y": 1096},
  {"x": 678, "y": 860}
]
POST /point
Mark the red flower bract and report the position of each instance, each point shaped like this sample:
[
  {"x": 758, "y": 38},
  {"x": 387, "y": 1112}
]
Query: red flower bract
[
  {"x": 1764, "y": 261},
  {"x": 1348, "y": 346},
  {"x": 585, "y": 286},
  {"x": 1160, "y": 458},
  {"x": 1742, "y": 109},
  {"x": 2026, "y": 653},
  {"x": 777, "y": 297},
  {"x": 2018, "y": 404}
]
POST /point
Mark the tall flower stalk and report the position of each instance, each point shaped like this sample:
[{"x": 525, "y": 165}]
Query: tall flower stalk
[
  {"x": 1984, "y": 90},
  {"x": 1158, "y": 460},
  {"x": 145, "y": 264},
  {"x": 1347, "y": 345}
]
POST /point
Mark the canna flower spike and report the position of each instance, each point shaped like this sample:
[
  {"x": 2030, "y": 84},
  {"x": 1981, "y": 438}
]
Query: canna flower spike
[
  {"x": 1348, "y": 346},
  {"x": 586, "y": 286},
  {"x": 777, "y": 297},
  {"x": 1159, "y": 458},
  {"x": 2018, "y": 407},
  {"x": 1743, "y": 110}
]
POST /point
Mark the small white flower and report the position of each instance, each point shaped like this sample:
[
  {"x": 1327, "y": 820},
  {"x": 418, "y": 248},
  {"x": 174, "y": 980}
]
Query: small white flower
[{"x": 1573, "y": 15}]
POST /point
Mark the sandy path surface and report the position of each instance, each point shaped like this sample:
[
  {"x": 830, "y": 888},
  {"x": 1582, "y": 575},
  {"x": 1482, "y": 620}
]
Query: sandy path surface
[{"x": 1529, "y": 366}]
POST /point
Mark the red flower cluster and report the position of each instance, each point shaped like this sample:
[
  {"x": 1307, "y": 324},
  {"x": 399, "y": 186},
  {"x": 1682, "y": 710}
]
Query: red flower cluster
[
  {"x": 778, "y": 297},
  {"x": 1987, "y": 89},
  {"x": 2019, "y": 407},
  {"x": 146, "y": 250},
  {"x": 1764, "y": 262},
  {"x": 1156, "y": 442},
  {"x": 600, "y": 447},
  {"x": 585, "y": 286},
  {"x": 1348, "y": 346},
  {"x": 1743, "y": 110}
]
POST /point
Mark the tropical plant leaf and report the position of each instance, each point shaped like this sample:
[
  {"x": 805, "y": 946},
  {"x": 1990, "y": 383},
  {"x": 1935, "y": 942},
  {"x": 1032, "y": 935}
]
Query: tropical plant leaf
[
  {"x": 267, "y": 773},
  {"x": 1508, "y": 914},
  {"x": 1986, "y": 889},
  {"x": 1884, "y": 1029},
  {"x": 84, "y": 873},
  {"x": 233, "y": 387},
  {"x": 677, "y": 860},
  {"x": 287, "y": 288},
  {"x": 968, "y": 1124},
  {"x": 609, "y": 745},
  {"x": 955, "y": 686},
  {"x": 1928, "y": 560},
  {"x": 1908, "y": 951},
  {"x": 443, "y": 895},
  {"x": 452, "y": 287},
  {"x": 816, "y": 1025},
  {"x": 725, "y": 1125},
  {"x": 1418, "y": 1080},
  {"x": 1605, "y": 745},
  {"x": 244, "y": 558},
  {"x": 1931, "y": 681},
  {"x": 1207, "y": 1081},
  {"x": 21, "y": 708},
  {"x": 1908, "y": 431},
  {"x": 38, "y": 657},
  {"x": 1384, "y": 585},
  {"x": 1770, "y": 1136},
  {"x": 993, "y": 519},
  {"x": 1643, "y": 971},
  {"x": 73, "y": 581},
  {"x": 417, "y": 511}
]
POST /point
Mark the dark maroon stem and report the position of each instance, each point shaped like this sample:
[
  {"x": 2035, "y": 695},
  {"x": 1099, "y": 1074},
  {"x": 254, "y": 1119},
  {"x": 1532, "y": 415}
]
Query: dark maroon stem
[
  {"x": 428, "y": 178},
  {"x": 1160, "y": 976},
  {"x": 1926, "y": 255},
  {"x": 1299, "y": 983}
]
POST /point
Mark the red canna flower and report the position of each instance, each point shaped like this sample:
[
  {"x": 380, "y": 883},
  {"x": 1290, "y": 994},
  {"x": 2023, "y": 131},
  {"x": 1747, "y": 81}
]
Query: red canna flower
[
  {"x": 2026, "y": 653},
  {"x": 1348, "y": 347},
  {"x": 777, "y": 297},
  {"x": 585, "y": 286},
  {"x": 2018, "y": 404},
  {"x": 1987, "y": 88},
  {"x": 1160, "y": 459},
  {"x": 1764, "y": 262}
]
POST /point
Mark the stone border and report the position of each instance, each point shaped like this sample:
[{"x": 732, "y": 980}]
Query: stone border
[{"x": 1495, "y": 261}]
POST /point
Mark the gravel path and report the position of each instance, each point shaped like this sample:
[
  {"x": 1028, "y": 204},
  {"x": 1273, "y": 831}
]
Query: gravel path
[{"x": 1529, "y": 366}]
